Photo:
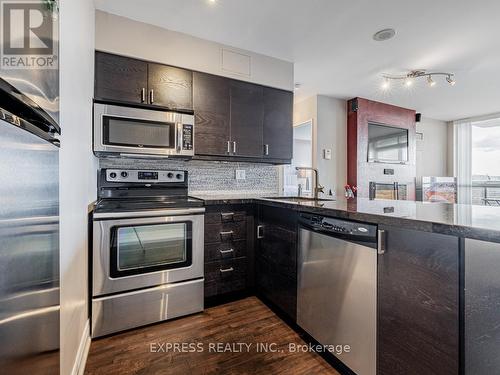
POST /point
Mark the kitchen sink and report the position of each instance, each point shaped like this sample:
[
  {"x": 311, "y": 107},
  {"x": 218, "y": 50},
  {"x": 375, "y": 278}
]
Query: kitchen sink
[{"x": 300, "y": 199}]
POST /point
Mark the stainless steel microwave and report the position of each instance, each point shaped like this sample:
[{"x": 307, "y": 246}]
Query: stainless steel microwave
[{"x": 134, "y": 132}]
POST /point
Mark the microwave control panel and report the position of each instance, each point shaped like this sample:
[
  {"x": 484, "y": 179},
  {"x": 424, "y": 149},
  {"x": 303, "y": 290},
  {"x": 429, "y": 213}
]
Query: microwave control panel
[{"x": 187, "y": 137}]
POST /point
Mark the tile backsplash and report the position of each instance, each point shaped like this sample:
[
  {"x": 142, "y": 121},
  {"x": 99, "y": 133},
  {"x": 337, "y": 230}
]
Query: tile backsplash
[{"x": 210, "y": 177}]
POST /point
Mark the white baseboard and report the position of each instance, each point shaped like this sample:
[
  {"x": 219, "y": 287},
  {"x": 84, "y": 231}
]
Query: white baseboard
[{"x": 83, "y": 351}]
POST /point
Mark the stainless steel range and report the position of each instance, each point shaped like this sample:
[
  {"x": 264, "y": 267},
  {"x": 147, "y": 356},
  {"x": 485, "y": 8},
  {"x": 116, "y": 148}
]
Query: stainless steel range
[{"x": 147, "y": 258}]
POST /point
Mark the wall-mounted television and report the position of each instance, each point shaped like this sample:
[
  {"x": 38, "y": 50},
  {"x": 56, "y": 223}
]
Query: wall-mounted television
[{"x": 387, "y": 144}]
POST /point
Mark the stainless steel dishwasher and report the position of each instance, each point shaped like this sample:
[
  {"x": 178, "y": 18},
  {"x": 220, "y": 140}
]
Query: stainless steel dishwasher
[{"x": 337, "y": 288}]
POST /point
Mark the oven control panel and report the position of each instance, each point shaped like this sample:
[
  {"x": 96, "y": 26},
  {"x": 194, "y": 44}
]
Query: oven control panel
[{"x": 144, "y": 176}]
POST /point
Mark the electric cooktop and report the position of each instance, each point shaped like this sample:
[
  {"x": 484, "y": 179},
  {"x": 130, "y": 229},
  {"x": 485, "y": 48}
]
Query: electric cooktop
[{"x": 107, "y": 205}]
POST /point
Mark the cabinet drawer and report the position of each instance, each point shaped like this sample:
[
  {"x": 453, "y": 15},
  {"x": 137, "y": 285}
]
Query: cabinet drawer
[
  {"x": 226, "y": 216},
  {"x": 225, "y": 250},
  {"x": 225, "y": 276},
  {"x": 224, "y": 232}
]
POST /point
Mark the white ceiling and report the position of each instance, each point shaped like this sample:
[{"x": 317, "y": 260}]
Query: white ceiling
[{"x": 330, "y": 42}]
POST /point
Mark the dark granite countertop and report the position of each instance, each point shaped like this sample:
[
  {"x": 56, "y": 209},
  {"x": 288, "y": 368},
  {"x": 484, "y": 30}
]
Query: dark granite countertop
[
  {"x": 216, "y": 199},
  {"x": 471, "y": 221}
]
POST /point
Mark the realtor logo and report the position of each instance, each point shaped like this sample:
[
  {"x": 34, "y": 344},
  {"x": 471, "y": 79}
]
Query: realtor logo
[{"x": 28, "y": 29}]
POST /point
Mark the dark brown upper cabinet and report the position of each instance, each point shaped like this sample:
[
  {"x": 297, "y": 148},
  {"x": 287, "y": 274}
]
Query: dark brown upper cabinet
[
  {"x": 418, "y": 303},
  {"x": 211, "y": 110},
  {"x": 247, "y": 115},
  {"x": 120, "y": 78},
  {"x": 126, "y": 80},
  {"x": 234, "y": 120},
  {"x": 170, "y": 87},
  {"x": 278, "y": 129}
]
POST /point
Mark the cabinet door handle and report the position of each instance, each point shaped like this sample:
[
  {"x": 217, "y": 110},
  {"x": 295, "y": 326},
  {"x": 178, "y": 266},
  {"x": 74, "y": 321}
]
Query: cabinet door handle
[
  {"x": 151, "y": 96},
  {"x": 228, "y": 147},
  {"x": 226, "y": 251},
  {"x": 234, "y": 147},
  {"x": 143, "y": 95},
  {"x": 224, "y": 270},
  {"x": 260, "y": 231},
  {"x": 266, "y": 149},
  {"x": 381, "y": 242}
]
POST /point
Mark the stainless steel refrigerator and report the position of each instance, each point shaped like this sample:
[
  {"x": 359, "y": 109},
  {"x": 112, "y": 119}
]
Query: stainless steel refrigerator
[{"x": 29, "y": 236}]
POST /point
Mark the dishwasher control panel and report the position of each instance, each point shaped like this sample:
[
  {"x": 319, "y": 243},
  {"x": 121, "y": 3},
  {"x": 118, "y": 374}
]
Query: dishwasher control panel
[{"x": 346, "y": 228}]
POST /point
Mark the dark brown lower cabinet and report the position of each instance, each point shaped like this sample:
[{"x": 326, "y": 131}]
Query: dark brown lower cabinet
[
  {"x": 228, "y": 260},
  {"x": 276, "y": 258},
  {"x": 418, "y": 304}
]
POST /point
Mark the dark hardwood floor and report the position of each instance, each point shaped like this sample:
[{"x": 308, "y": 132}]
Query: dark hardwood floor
[{"x": 247, "y": 321}]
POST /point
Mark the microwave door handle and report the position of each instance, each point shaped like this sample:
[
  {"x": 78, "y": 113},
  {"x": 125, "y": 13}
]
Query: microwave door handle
[{"x": 179, "y": 137}]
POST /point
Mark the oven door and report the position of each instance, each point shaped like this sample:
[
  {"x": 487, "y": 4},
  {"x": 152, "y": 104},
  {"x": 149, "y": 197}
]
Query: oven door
[
  {"x": 127, "y": 130},
  {"x": 136, "y": 253}
]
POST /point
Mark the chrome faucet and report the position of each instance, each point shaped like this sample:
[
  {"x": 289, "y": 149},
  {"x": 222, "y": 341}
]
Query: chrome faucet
[{"x": 317, "y": 187}]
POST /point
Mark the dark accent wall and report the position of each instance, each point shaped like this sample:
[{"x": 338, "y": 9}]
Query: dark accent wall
[{"x": 359, "y": 172}]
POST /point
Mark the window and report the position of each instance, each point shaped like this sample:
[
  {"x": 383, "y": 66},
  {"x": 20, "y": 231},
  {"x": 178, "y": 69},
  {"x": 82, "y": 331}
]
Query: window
[
  {"x": 485, "y": 166},
  {"x": 302, "y": 157}
]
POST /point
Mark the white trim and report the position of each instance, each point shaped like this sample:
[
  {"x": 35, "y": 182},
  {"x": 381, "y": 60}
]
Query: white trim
[
  {"x": 83, "y": 351},
  {"x": 462, "y": 161}
]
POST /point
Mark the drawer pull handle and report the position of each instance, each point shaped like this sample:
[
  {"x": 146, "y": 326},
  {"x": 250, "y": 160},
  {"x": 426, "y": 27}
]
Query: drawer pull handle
[
  {"x": 230, "y": 269},
  {"x": 224, "y": 234},
  {"x": 226, "y": 251},
  {"x": 227, "y": 215}
]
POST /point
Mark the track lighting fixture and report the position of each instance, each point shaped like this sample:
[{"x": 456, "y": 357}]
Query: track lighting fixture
[
  {"x": 450, "y": 80},
  {"x": 415, "y": 74}
]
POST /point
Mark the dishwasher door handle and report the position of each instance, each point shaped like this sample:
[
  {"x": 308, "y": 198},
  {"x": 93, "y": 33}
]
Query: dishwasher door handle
[{"x": 381, "y": 242}]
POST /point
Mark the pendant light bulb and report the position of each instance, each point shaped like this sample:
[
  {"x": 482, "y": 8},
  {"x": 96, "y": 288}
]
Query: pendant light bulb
[
  {"x": 408, "y": 82},
  {"x": 386, "y": 84},
  {"x": 450, "y": 80},
  {"x": 430, "y": 81}
]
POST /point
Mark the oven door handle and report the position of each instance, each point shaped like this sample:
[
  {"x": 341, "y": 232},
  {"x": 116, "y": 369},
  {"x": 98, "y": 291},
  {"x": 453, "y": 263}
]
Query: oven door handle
[{"x": 149, "y": 214}]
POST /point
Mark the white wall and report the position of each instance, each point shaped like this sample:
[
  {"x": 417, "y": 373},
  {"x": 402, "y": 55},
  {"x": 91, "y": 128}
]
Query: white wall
[
  {"x": 137, "y": 39},
  {"x": 77, "y": 173},
  {"x": 329, "y": 132},
  {"x": 432, "y": 152},
  {"x": 332, "y": 134}
]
